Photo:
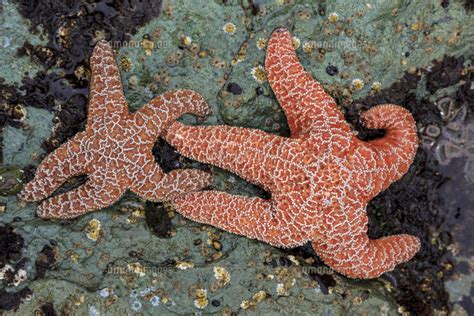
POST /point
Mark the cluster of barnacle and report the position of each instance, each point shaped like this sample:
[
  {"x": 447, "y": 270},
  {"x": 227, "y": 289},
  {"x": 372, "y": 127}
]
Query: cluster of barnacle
[
  {"x": 255, "y": 300},
  {"x": 153, "y": 295},
  {"x": 12, "y": 112},
  {"x": 453, "y": 139},
  {"x": 201, "y": 299},
  {"x": 212, "y": 250},
  {"x": 334, "y": 25},
  {"x": 187, "y": 47},
  {"x": 10, "y": 181},
  {"x": 12, "y": 276},
  {"x": 93, "y": 230},
  {"x": 286, "y": 271},
  {"x": 133, "y": 207}
]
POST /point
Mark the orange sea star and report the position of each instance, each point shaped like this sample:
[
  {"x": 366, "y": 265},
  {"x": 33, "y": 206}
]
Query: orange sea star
[
  {"x": 114, "y": 150},
  {"x": 320, "y": 179}
]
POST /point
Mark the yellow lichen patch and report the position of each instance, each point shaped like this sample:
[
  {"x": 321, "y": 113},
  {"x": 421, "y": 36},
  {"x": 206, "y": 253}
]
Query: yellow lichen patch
[
  {"x": 137, "y": 268},
  {"x": 256, "y": 298},
  {"x": 201, "y": 300},
  {"x": 183, "y": 265},
  {"x": 258, "y": 74},
  {"x": 92, "y": 229},
  {"x": 261, "y": 43},
  {"x": 221, "y": 274},
  {"x": 357, "y": 84},
  {"x": 333, "y": 17},
  {"x": 229, "y": 28}
]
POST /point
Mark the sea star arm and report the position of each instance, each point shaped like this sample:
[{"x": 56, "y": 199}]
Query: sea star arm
[
  {"x": 158, "y": 114},
  {"x": 303, "y": 99},
  {"x": 67, "y": 161},
  {"x": 106, "y": 93},
  {"x": 346, "y": 248},
  {"x": 156, "y": 185},
  {"x": 248, "y": 216},
  {"x": 247, "y": 152},
  {"x": 98, "y": 192},
  {"x": 386, "y": 159}
]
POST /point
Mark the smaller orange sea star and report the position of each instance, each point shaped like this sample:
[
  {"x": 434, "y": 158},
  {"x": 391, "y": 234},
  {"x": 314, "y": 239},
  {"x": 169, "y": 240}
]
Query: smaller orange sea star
[
  {"x": 114, "y": 150},
  {"x": 320, "y": 179}
]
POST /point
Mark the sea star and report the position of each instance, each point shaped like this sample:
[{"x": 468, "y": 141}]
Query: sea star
[
  {"x": 114, "y": 150},
  {"x": 320, "y": 179}
]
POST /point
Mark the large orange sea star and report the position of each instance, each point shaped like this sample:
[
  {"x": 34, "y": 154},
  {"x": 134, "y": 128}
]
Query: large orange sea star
[
  {"x": 320, "y": 179},
  {"x": 114, "y": 150}
]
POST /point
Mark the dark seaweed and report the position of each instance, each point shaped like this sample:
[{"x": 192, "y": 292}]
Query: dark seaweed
[
  {"x": 444, "y": 73},
  {"x": 12, "y": 300},
  {"x": 157, "y": 219},
  {"x": 166, "y": 156},
  {"x": 47, "y": 309},
  {"x": 72, "y": 26},
  {"x": 72, "y": 119},
  {"x": 11, "y": 244},
  {"x": 10, "y": 99},
  {"x": 469, "y": 5},
  {"x": 44, "y": 261}
]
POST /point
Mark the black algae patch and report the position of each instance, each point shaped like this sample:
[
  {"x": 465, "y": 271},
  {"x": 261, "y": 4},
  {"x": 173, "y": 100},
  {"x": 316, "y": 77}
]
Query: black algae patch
[
  {"x": 11, "y": 244},
  {"x": 46, "y": 258},
  {"x": 157, "y": 219},
  {"x": 414, "y": 204},
  {"x": 166, "y": 156},
  {"x": 71, "y": 120},
  {"x": 444, "y": 73},
  {"x": 12, "y": 300},
  {"x": 11, "y": 112},
  {"x": 72, "y": 29},
  {"x": 46, "y": 309}
]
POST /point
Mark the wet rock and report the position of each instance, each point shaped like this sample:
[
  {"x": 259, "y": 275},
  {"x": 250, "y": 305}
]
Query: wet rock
[{"x": 10, "y": 181}]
